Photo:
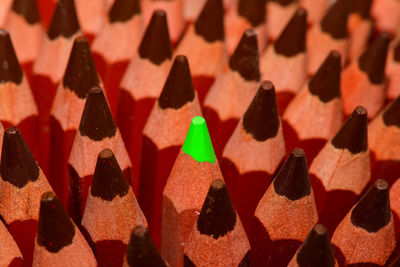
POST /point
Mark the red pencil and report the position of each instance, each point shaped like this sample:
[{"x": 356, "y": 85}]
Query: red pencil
[
  {"x": 92, "y": 15},
  {"x": 111, "y": 211},
  {"x": 279, "y": 13},
  {"x": 315, "y": 10},
  {"x": 46, "y": 9},
  {"x": 392, "y": 71},
  {"x": 387, "y": 15},
  {"x": 66, "y": 113},
  {"x": 10, "y": 255}
]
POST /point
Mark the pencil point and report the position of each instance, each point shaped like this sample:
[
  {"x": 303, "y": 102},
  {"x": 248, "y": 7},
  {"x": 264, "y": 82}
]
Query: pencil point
[
  {"x": 18, "y": 166},
  {"x": 391, "y": 116},
  {"x": 396, "y": 52},
  {"x": 123, "y": 10},
  {"x": 178, "y": 89},
  {"x": 28, "y": 9},
  {"x": 373, "y": 60},
  {"x": 261, "y": 119},
  {"x": 284, "y": 2},
  {"x": 141, "y": 250},
  {"x": 326, "y": 81},
  {"x": 210, "y": 23},
  {"x": 372, "y": 212},
  {"x": 362, "y": 7},
  {"x": 108, "y": 179},
  {"x": 293, "y": 180},
  {"x": 65, "y": 21},
  {"x": 335, "y": 20},
  {"x": 316, "y": 249},
  {"x": 55, "y": 229},
  {"x": 217, "y": 216},
  {"x": 292, "y": 41},
  {"x": 156, "y": 45},
  {"x": 245, "y": 59},
  {"x": 253, "y": 11},
  {"x": 80, "y": 74},
  {"x": 10, "y": 70},
  {"x": 97, "y": 122},
  {"x": 353, "y": 134},
  {"x": 198, "y": 142}
]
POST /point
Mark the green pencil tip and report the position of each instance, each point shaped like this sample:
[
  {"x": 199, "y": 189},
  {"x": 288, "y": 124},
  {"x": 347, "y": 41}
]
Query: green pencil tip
[{"x": 198, "y": 142}]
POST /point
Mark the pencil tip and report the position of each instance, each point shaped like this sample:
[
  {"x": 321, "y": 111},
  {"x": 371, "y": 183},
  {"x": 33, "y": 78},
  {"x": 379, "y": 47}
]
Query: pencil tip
[
  {"x": 362, "y": 7},
  {"x": 372, "y": 212},
  {"x": 283, "y": 2},
  {"x": 292, "y": 40},
  {"x": 123, "y": 10},
  {"x": 217, "y": 216},
  {"x": 80, "y": 74},
  {"x": 141, "y": 250},
  {"x": 198, "y": 142},
  {"x": 108, "y": 179},
  {"x": 210, "y": 23},
  {"x": 245, "y": 59},
  {"x": 353, "y": 134},
  {"x": 27, "y": 9},
  {"x": 335, "y": 20},
  {"x": 97, "y": 122},
  {"x": 178, "y": 88},
  {"x": 293, "y": 180},
  {"x": 10, "y": 70},
  {"x": 55, "y": 228},
  {"x": 156, "y": 45},
  {"x": 253, "y": 11},
  {"x": 65, "y": 21},
  {"x": 391, "y": 116},
  {"x": 396, "y": 52},
  {"x": 373, "y": 60},
  {"x": 326, "y": 81},
  {"x": 18, "y": 166},
  {"x": 316, "y": 250},
  {"x": 261, "y": 119}
]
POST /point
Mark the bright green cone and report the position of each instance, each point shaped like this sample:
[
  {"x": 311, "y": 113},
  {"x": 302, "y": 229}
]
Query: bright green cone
[{"x": 198, "y": 142}]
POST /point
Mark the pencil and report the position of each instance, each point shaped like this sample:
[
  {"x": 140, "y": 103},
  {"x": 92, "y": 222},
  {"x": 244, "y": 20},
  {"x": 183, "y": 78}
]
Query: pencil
[
  {"x": 92, "y": 15},
  {"x": 192, "y": 9},
  {"x": 97, "y": 131},
  {"x": 284, "y": 63},
  {"x": 46, "y": 10},
  {"x": 139, "y": 92},
  {"x": 315, "y": 114},
  {"x": 22, "y": 183},
  {"x": 366, "y": 234},
  {"x": 253, "y": 153},
  {"x": 285, "y": 214},
  {"x": 115, "y": 45},
  {"x": 80, "y": 75},
  {"x": 59, "y": 242},
  {"x": 315, "y": 10},
  {"x": 279, "y": 13},
  {"x": 233, "y": 90},
  {"x": 363, "y": 81},
  {"x": 204, "y": 45},
  {"x": 395, "y": 206},
  {"x": 5, "y": 7},
  {"x": 10, "y": 255},
  {"x": 195, "y": 168},
  {"x": 141, "y": 250},
  {"x": 392, "y": 69},
  {"x": 173, "y": 112},
  {"x": 111, "y": 211},
  {"x": 383, "y": 21},
  {"x": 218, "y": 237},
  {"x": 341, "y": 170}
]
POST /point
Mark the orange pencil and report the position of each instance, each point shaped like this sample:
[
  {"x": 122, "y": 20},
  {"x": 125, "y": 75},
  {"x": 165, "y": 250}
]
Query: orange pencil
[
  {"x": 97, "y": 131},
  {"x": 173, "y": 112},
  {"x": 204, "y": 45},
  {"x": 330, "y": 34},
  {"x": 285, "y": 214},
  {"x": 392, "y": 71},
  {"x": 80, "y": 75},
  {"x": 218, "y": 237},
  {"x": 315, "y": 10},
  {"x": 22, "y": 183},
  {"x": 115, "y": 45},
  {"x": 245, "y": 14},
  {"x": 92, "y": 15},
  {"x": 138, "y": 93},
  {"x": 5, "y": 7},
  {"x": 111, "y": 211},
  {"x": 233, "y": 90},
  {"x": 192, "y": 9},
  {"x": 315, "y": 114},
  {"x": 365, "y": 237},
  {"x": 284, "y": 63},
  {"x": 387, "y": 15},
  {"x": 341, "y": 170},
  {"x": 174, "y": 10},
  {"x": 253, "y": 153},
  {"x": 10, "y": 255},
  {"x": 279, "y": 13},
  {"x": 58, "y": 241},
  {"x": 363, "y": 81}
]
